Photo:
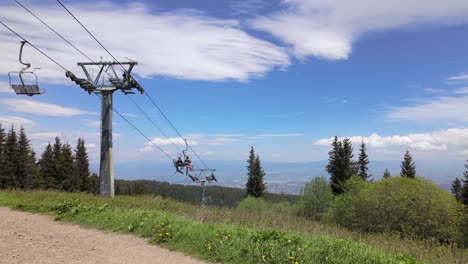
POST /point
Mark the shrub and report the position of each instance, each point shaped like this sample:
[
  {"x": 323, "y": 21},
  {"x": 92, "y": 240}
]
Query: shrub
[
  {"x": 260, "y": 205},
  {"x": 314, "y": 199},
  {"x": 410, "y": 207}
]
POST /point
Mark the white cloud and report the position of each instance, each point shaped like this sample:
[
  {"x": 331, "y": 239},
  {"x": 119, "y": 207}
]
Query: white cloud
[
  {"x": 16, "y": 120},
  {"x": 328, "y": 28},
  {"x": 5, "y": 87},
  {"x": 45, "y": 135},
  {"x": 439, "y": 109},
  {"x": 181, "y": 44},
  {"x": 462, "y": 91},
  {"x": 462, "y": 77},
  {"x": 160, "y": 141},
  {"x": 437, "y": 140},
  {"x": 43, "y": 109}
]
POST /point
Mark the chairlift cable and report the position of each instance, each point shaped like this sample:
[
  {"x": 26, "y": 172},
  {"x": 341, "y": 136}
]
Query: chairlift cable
[
  {"x": 82, "y": 53},
  {"x": 146, "y": 92},
  {"x": 58, "y": 34},
  {"x": 154, "y": 123},
  {"x": 89, "y": 32},
  {"x": 65, "y": 69},
  {"x": 32, "y": 45},
  {"x": 139, "y": 131},
  {"x": 175, "y": 129}
]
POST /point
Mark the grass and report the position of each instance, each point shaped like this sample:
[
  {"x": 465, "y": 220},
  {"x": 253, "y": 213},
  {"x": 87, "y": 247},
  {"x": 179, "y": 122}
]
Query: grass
[{"x": 230, "y": 235}]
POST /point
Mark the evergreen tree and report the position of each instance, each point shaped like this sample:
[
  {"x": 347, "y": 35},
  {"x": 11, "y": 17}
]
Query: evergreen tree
[
  {"x": 93, "y": 184},
  {"x": 117, "y": 188},
  {"x": 386, "y": 173},
  {"x": 255, "y": 184},
  {"x": 363, "y": 161},
  {"x": 464, "y": 191},
  {"x": 457, "y": 189},
  {"x": 47, "y": 168},
  {"x": 82, "y": 165},
  {"x": 36, "y": 181},
  {"x": 71, "y": 182},
  {"x": 408, "y": 169},
  {"x": 10, "y": 160},
  {"x": 138, "y": 188},
  {"x": 2, "y": 156},
  {"x": 57, "y": 161},
  {"x": 340, "y": 164},
  {"x": 25, "y": 166}
]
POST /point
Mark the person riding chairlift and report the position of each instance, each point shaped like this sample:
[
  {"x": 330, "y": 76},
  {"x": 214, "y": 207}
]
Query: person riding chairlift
[
  {"x": 179, "y": 164},
  {"x": 188, "y": 164}
]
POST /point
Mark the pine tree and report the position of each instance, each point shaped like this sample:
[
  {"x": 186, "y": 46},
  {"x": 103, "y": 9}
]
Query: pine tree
[
  {"x": 82, "y": 164},
  {"x": 408, "y": 169},
  {"x": 464, "y": 191},
  {"x": 340, "y": 164},
  {"x": 457, "y": 189},
  {"x": 386, "y": 173},
  {"x": 71, "y": 182},
  {"x": 25, "y": 166},
  {"x": 255, "y": 185},
  {"x": 118, "y": 191},
  {"x": 2, "y": 156},
  {"x": 57, "y": 161},
  {"x": 47, "y": 168},
  {"x": 93, "y": 184},
  {"x": 363, "y": 161},
  {"x": 10, "y": 160}
]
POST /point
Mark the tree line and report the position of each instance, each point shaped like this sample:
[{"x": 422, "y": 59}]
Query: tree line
[
  {"x": 59, "y": 166},
  {"x": 460, "y": 187}
]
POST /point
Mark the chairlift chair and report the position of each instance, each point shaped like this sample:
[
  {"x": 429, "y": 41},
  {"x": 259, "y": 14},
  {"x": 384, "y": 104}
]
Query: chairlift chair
[
  {"x": 29, "y": 87},
  {"x": 211, "y": 178}
]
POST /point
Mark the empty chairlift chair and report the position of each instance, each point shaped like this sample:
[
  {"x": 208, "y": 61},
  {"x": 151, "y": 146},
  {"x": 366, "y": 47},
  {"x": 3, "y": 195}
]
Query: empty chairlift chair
[{"x": 26, "y": 81}]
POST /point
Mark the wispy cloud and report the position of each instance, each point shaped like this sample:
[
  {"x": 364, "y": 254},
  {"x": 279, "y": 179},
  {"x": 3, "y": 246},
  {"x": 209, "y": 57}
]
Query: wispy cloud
[
  {"x": 5, "y": 87},
  {"x": 160, "y": 141},
  {"x": 16, "y": 120},
  {"x": 42, "y": 109},
  {"x": 328, "y": 28},
  {"x": 437, "y": 140},
  {"x": 246, "y": 7},
  {"x": 445, "y": 108},
  {"x": 186, "y": 43},
  {"x": 462, "y": 77}
]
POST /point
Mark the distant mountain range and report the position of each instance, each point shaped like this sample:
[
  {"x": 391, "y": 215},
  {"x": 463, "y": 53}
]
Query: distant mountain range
[{"x": 286, "y": 177}]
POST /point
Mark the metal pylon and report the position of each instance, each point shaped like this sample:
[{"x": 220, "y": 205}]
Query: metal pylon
[{"x": 126, "y": 84}]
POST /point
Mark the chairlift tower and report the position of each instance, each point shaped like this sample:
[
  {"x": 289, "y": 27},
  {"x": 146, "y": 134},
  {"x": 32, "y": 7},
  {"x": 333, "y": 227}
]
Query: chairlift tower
[
  {"x": 113, "y": 83},
  {"x": 202, "y": 181}
]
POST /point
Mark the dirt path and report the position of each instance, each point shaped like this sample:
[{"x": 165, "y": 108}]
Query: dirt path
[{"x": 30, "y": 238}]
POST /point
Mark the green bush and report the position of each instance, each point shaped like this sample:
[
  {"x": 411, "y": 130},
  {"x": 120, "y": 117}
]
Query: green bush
[
  {"x": 260, "y": 205},
  {"x": 409, "y": 207},
  {"x": 314, "y": 199}
]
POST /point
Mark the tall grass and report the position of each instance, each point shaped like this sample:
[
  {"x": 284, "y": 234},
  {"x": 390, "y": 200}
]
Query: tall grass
[{"x": 267, "y": 235}]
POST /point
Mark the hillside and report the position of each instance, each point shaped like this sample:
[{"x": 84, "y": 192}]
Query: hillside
[{"x": 228, "y": 235}]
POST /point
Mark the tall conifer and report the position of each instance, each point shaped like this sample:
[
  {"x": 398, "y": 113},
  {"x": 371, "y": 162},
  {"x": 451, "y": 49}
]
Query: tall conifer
[
  {"x": 363, "y": 161},
  {"x": 71, "y": 182},
  {"x": 82, "y": 165},
  {"x": 2, "y": 156},
  {"x": 408, "y": 169},
  {"x": 11, "y": 159},
  {"x": 255, "y": 185},
  {"x": 47, "y": 168},
  {"x": 340, "y": 164}
]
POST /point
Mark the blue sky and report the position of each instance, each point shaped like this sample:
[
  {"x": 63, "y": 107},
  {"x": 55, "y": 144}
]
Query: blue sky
[{"x": 282, "y": 76}]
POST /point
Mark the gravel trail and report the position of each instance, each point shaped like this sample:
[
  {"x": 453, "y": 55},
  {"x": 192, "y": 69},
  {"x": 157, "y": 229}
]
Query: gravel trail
[{"x": 31, "y": 238}]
